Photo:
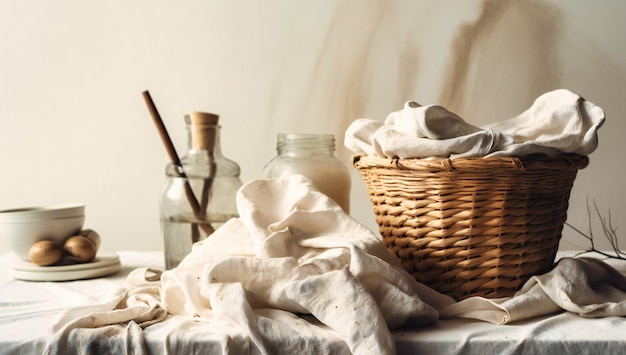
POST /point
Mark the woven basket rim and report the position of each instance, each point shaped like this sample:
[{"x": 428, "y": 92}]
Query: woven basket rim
[{"x": 558, "y": 162}]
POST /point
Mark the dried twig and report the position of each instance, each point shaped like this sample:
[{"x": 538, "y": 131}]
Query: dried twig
[{"x": 609, "y": 231}]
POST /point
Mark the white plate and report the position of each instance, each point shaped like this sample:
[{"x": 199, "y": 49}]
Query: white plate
[{"x": 104, "y": 264}]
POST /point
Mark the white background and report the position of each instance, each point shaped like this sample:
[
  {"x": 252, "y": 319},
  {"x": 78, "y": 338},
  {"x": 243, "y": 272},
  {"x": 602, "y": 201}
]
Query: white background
[{"x": 74, "y": 127}]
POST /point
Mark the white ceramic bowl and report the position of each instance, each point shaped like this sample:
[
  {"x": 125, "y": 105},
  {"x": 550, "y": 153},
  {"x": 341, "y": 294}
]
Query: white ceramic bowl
[{"x": 22, "y": 227}]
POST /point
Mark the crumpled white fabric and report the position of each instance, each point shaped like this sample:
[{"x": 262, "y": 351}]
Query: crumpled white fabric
[
  {"x": 558, "y": 121},
  {"x": 295, "y": 273},
  {"x": 293, "y": 249},
  {"x": 585, "y": 286}
]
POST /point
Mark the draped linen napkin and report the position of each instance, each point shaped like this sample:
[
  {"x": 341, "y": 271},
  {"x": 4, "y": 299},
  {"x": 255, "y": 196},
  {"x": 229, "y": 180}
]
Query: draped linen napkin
[
  {"x": 114, "y": 326},
  {"x": 558, "y": 121},
  {"x": 292, "y": 273},
  {"x": 585, "y": 286}
]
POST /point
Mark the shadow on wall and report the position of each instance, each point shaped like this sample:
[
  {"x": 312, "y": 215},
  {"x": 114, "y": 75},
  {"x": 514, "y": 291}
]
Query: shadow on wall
[
  {"x": 508, "y": 56},
  {"x": 342, "y": 74}
]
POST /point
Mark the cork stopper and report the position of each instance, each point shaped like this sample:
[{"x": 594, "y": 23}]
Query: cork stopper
[
  {"x": 203, "y": 119},
  {"x": 203, "y": 127}
]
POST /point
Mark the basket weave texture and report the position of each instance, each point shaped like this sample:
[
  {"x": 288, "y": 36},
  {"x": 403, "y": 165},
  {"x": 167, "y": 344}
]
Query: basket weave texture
[{"x": 475, "y": 226}]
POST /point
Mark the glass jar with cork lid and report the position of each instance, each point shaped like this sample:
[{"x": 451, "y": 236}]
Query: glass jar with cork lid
[{"x": 199, "y": 194}]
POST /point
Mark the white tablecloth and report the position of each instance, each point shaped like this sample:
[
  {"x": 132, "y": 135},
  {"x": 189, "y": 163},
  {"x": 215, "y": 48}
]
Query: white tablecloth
[{"x": 28, "y": 308}]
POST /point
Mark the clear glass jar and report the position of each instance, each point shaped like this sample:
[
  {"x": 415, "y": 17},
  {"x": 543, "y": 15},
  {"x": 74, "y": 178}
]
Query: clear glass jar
[
  {"x": 312, "y": 155},
  {"x": 199, "y": 197}
]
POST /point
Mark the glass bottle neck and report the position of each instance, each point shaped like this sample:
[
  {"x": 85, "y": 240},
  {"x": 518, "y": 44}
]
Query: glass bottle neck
[
  {"x": 204, "y": 139},
  {"x": 305, "y": 144},
  {"x": 203, "y": 143},
  {"x": 204, "y": 158}
]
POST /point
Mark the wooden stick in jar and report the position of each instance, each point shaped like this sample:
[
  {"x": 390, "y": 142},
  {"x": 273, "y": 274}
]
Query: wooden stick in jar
[{"x": 171, "y": 151}]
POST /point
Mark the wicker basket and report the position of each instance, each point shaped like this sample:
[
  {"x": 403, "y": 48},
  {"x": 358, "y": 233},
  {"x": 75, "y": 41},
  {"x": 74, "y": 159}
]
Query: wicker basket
[{"x": 472, "y": 227}]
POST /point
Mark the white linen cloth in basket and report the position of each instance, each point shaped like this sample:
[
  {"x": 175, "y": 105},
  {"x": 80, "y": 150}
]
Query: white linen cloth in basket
[{"x": 558, "y": 121}]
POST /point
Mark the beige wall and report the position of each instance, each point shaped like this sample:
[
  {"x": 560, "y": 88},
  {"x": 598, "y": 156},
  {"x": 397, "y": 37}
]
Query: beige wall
[{"x": 73, "y": 125}]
